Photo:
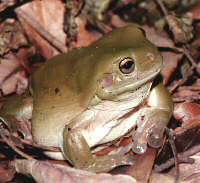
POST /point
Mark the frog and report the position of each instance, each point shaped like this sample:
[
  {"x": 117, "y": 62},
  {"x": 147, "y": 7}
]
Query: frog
[{"x": 95, "y": 95}]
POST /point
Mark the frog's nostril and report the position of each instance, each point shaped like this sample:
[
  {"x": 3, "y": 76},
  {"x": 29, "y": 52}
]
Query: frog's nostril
[{"x": 150, "y": 56}]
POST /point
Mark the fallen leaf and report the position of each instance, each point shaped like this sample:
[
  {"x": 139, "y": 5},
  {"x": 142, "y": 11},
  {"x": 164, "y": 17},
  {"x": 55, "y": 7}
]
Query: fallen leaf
[
  {"x": 181, "y": 27},
  {"x": 186, "y": 111},
  {"x": 5, "y": 4},
  {"x": 12, "y": 76},
  {"x": 196, "y": 12},
  {"x": 170, "y": 62},
  {"x": 6, "y": 171},
  {"x": 11, "y": 36},
  {"x": 116, "y": 21},
  {"x": 189, "y": 173},
  {"x": 45, "y": 172},
  {"x": 186, "y": 93},
  {"x": 164, "y": 178},
  {"x": 141, "y": 169},
  {"x": 43, "y": 14},
  {"x": 84, "y": 38},
  {"x": 159, "y": 39}
]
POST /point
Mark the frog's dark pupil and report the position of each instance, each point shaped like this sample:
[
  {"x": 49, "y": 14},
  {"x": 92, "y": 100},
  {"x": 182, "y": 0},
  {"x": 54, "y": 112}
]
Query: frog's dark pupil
[
  {"x": 57, "y": 90},
  {"x": 128, "y": 65}
]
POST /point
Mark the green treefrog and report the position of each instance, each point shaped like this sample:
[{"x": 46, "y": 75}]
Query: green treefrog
[{"x": 94, "y": 95}]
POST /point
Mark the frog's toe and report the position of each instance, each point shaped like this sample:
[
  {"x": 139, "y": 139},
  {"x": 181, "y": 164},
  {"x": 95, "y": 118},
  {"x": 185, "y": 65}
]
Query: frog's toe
[
  {"x": 155, "y": 139},
  {"x": 109, "y": 162},
  {"x": 121, "y": 155},
  {"x": 155, "y": 135},
  {"x": 139, "y": 148},
  {"x": 119, "y": 160},
  {"x": 139, "y": 143}
]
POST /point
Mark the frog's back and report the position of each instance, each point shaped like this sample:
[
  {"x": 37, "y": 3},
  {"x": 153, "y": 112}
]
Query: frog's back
[{"x": 56, "y": 97}]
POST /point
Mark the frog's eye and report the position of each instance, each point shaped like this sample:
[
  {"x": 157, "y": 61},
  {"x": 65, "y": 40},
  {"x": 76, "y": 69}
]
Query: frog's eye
[{"x": 127, "y": 65}]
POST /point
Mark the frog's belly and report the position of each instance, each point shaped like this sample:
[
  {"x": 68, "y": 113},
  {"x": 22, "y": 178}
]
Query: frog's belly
[{"x": 110, "y": 131}]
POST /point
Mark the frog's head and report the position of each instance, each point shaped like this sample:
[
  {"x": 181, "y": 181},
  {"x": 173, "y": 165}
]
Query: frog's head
[{"x": 124, "y": 61}]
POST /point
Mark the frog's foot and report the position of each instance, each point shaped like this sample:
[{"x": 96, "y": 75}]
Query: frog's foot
[
  {"x": 77, "y": 151},
  {"x": 139, "y": 142},
  {"x": 150, "y": 130},
  {"x": 155, "y": 135},
  {"x": 109, "y": 162}
]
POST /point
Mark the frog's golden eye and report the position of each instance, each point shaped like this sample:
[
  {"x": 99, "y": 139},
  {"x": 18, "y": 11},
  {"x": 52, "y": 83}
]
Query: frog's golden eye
[{"x": 127, "y": 65}]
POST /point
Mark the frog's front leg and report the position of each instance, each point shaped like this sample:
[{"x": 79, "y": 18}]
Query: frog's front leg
[
  {"x": 153, "y": 120},
  {"x": 77, "y": 151}
]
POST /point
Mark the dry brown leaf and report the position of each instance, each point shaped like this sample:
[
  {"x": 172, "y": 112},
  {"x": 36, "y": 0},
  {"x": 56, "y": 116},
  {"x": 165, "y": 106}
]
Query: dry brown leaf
[
  {"x": 6, "y": 3},
  {"x": 18, "y": 82},
  {"x": 186, "y": 93},
  {"x": 43, "y": 13},
  {"x": 164, "y": 178},
  {"x": 197, "y": 41},
  {"x": 187, "y": 135},
  {"x": 7, "y": 66},
  {"x": 160, "y": 40},
  {"x": 84, "y": 38},
  {"x": 6, "y": 171},
  {"x": 197, "y": 82},
  {"x": 44, "y": 172},
  {"x": 170, "y": 62},
  {"x": 11, "y": 36},
  {"x": 181, "y": 28},
  {"x": 141, "y": 169},
  {"x": 116, "y": 21},
  {"x": 196, "y": 12},
  {"x": 12, "y": 77},
  {"x": 186, "y": 111},
  {"x": 189, "y": 173}
]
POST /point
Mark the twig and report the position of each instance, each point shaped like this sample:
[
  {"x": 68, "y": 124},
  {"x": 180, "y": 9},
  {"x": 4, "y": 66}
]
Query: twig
[
  {"x": 176, "y": 160},
  {"x": 189, "y": 73},
  {"x": 181, "y": 81},
  {"x": 162, "y": 7},
  {"x": 169, "y": 163},
  {"x": 192, "y": 88},
  {"x": 182, "y": 157},
  {"x": 45, "y": 34},
  {"x": 189, "y": 57},
  {"x": 48, "y": 148},
  {"x": 184, "y": 98},
  {"x": 12, "y": 145}
]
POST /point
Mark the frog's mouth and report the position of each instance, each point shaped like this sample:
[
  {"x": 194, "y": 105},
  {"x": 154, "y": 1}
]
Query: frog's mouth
[
  {"x": 125, "y": 101},
  {"x": 130, "y": 85}
]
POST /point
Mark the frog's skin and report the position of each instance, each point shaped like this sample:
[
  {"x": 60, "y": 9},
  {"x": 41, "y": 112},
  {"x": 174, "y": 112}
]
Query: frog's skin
[{"x": 93, "y": 95}]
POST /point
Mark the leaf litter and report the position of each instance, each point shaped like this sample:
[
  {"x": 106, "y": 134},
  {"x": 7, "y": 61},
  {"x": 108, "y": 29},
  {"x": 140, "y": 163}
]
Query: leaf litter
[{"x": 33, "y": 31}]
